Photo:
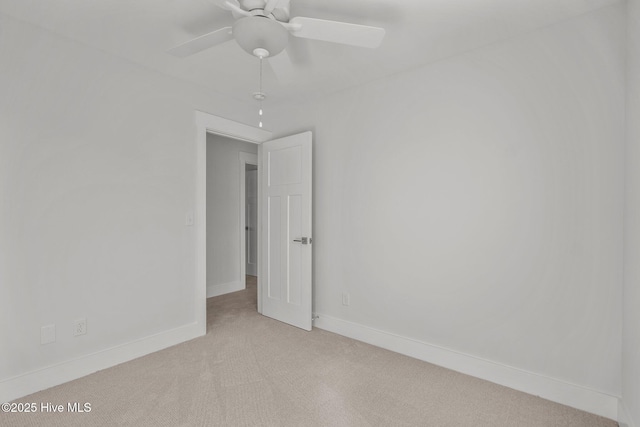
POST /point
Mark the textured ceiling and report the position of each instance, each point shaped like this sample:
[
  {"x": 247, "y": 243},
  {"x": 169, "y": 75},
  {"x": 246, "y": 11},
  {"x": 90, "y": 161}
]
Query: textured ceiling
[{"x": 418, "y": 32}]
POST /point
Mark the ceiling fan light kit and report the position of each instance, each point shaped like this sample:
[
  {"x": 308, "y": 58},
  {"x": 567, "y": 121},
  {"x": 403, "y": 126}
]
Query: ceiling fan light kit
[{"x": 260, "y": 36}]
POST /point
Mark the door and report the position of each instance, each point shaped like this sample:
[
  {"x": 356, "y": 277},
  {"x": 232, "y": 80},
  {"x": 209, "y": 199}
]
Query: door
[
  {"x": 251, "y": 218},
  {"x": 286, "y": 244}
]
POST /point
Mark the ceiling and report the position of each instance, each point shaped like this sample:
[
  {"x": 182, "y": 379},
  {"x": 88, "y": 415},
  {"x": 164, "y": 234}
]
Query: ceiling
[{"x": 417, "y": 32}]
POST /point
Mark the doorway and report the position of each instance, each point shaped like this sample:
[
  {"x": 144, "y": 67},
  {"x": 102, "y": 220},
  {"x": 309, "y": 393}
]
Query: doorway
[
  {"x": 208, "y": 124},
  {"x": 251, "y": 219},
  {"x": 284, "y": 221},
  {"x": 230, "y": 210}
]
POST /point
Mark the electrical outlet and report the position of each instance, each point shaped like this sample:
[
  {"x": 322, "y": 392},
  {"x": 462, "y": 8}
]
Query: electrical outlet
[
  {"x": 48, "y": 334},
  {"x": 346, "y": 298},
  {"x": 79, "y": 327}
]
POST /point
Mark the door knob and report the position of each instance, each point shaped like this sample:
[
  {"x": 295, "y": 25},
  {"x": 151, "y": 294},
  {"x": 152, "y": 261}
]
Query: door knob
[{"x": 303, "y": 240}]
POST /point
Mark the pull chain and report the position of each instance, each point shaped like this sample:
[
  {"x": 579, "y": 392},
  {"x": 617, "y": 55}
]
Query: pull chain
[
  {"x": 261, "y": 98},
  {"x": 260, "y": 95}
]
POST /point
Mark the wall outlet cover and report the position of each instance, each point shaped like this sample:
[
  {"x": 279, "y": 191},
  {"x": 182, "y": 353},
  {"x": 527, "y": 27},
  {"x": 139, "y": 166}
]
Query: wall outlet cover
[{"x": 79, "y": 327}]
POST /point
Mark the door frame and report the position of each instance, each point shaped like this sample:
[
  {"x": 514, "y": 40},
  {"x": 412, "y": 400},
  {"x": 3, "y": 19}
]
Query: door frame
[
  {"x": 209, "y": 123},
  {"x": 245, "y": 159}
]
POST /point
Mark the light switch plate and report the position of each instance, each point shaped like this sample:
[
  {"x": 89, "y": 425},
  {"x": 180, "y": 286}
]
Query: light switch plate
[
  {"x": 346, "y": 299},
  {"x": 189, "y": 219}
]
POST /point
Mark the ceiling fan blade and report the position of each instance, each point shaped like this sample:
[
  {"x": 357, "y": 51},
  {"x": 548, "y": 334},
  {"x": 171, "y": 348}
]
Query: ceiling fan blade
[
  {"x": 298, "y": 50},
  {"x": 235, "y": 8},
  {"x": 201, "y": 43},
  {"x": 336, "y": 32},
  {"x": 282, "y": 66}
]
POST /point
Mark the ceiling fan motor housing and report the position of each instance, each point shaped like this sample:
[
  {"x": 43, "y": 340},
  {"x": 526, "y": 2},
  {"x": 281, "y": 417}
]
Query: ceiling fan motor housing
[
  {"x": 280, "y": 12},
  {"x": 259, "y": 33},
  {"x": 253, "y": 4}
]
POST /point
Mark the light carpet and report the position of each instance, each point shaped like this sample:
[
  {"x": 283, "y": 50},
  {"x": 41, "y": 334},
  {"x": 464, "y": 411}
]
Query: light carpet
[{"x": 253, "y": 371}]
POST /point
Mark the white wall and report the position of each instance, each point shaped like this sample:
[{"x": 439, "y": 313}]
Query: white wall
[
  {"x": 97, "y": 173},
  {"x": 476, "y": 204},
  {"x": 223, "y": 213},
  {"x": 631, "y": 328}
]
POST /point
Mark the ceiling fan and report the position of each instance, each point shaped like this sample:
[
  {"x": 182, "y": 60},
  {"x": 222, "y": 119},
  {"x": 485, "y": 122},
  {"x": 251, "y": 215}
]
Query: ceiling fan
[{"x": 262, "y": 29}]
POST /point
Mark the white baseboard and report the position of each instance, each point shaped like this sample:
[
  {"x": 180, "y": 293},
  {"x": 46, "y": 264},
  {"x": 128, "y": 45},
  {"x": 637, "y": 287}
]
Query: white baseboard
[
  {"x": 41, "y": 379},
  {"x": 559, "y": 391},
  {"x": 624, "y": 418},
  {"x": 224, "y": 288}
]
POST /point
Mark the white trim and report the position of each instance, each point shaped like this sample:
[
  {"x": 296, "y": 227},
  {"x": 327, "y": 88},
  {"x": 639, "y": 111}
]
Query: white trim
[
  {"x": 208, "y": 123},
  {"x": 230, "y": 128},
  {"x": 553, "y": 389},
  {"x": 245, "y": 159},
  {"x": 624, "y": 417},
  {"x": 261, "y": 260},
  {"x": 41, "y": 379},
  {"x": 224, "y": 288}
]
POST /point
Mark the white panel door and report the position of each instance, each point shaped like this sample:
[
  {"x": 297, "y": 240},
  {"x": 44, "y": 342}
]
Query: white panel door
[{"x": 285, "y": 278}]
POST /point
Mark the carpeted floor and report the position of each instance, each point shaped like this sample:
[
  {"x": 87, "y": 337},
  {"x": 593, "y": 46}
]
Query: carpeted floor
[{"x": 253, "y": 371}]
